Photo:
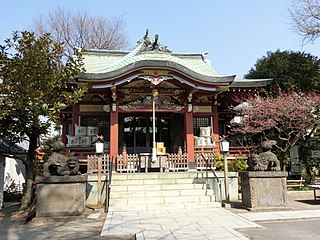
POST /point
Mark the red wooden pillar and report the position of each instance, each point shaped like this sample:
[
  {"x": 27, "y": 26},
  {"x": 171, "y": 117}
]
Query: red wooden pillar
[
  {"x": 188, "y": 125},
  {"x": 114, "y": 135},
  {"x": 75, "y": 118},
  {"x": 215, "y": 119},
  {"x": 64, "y": 132}
]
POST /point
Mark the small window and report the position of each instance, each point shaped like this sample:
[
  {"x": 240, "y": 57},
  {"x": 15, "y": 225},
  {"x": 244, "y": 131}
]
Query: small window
[
  {"x": 102, "y": 122},
  {"x": 200, "y": 122}
]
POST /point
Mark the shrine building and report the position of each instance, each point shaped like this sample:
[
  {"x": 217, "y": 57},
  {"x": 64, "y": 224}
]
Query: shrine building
[{"x": 152, "y": 98}]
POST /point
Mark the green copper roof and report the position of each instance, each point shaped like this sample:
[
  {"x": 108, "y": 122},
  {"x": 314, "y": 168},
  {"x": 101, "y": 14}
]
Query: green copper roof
[
  {"x": 107, "y": 61},
  {"x": 251, "y": 83},
  {"x": 105, "y": 64}
]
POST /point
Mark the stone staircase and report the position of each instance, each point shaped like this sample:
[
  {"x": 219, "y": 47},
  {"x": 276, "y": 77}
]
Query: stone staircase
[{"x": 160, "y": 191}]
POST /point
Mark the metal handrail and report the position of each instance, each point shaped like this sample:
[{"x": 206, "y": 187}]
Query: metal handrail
[{"x": 208, "y": 166}]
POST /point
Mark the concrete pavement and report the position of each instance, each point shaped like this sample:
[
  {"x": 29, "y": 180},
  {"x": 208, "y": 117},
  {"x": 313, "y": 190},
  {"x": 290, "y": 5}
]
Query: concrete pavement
[{"x": 288, "y": 229}]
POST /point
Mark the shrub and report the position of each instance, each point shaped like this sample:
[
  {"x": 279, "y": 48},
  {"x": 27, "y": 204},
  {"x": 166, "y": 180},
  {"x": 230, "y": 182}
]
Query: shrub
[{"x": 238, "y": 164}]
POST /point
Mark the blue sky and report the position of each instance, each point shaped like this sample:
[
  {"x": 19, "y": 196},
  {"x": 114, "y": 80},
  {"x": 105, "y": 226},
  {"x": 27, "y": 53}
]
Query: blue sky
[{"x": 235, "y": 33}]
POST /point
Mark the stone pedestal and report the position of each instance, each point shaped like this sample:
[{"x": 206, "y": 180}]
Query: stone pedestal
[
  {"x": 61, "y": 195},
  {"x": 264, "y": 190}
]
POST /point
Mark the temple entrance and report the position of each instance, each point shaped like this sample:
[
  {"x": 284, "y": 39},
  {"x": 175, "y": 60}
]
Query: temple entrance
[{"x": 135, "y": 131}]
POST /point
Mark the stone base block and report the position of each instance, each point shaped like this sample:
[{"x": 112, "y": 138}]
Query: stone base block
[
  {"x": 263, "y": 190},
  {"x": 60, "y": 195},
  {"x": 92, "y": 191}
]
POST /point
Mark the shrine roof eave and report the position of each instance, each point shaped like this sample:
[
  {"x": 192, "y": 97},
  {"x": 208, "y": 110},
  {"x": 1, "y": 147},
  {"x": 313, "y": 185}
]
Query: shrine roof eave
[
  {"x": 251, "y": 83},
  {"x": 9, "y": 149},
  {"x": 155, "y": 64}
]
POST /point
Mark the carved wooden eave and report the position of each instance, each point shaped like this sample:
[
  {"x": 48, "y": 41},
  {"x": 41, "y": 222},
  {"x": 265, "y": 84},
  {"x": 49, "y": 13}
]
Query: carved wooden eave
[
  {"x": 180, "y": 77},
  {"x": 146, "y": 104},
  {"x": 178, "y": 71},
  {"x": 163, "y": 108},
  {"x": 95, "y": 98}
]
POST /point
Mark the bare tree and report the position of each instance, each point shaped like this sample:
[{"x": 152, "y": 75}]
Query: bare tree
[
  {"x": 305, "y": 15},
  {"x": 81, "y": 30}
]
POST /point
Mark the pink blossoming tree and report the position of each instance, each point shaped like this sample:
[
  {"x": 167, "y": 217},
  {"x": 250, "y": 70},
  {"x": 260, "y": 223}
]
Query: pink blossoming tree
[{"x": 286, "y": 118}]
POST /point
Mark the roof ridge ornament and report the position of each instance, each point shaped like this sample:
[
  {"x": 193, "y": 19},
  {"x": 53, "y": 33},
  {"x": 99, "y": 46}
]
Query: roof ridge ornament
[{"x": 149, "y": 45}]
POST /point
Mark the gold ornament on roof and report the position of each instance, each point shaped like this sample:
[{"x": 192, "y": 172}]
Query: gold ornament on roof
[{"x": 155, "y": 76}]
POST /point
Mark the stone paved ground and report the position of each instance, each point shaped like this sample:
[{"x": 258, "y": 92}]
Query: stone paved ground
[
  {"x": 186, "y": 224},
  {"x": 13, "y": 228},
  {"x": 215, "y": 223}
]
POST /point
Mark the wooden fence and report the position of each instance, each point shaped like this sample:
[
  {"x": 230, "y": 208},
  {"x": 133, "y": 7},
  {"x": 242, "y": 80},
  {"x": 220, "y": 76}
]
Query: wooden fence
[
  {"x": 128, "y": 163},
  {"x": 93, "y": 164},
  {"x": 173, "y": 161},
  {"x": 132, "y": 162},
  {"x": 201, "y": 157},
  {"x": 177, "y": 162}
]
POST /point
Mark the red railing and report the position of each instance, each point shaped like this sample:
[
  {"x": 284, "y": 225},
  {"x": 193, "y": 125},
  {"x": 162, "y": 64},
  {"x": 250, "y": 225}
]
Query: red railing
[
  {"x": 239, "y": 151},
  {"x": 234, "y": 151}
]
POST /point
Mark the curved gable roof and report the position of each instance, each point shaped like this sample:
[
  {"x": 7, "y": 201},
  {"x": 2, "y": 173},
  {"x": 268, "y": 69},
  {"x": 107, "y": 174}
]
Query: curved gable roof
[{"x": 107, "y": 65}]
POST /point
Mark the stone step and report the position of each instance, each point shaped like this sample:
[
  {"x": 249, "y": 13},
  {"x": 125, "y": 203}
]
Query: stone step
[
  {"x": 161, "y": 207},
  {"x": 164, "y": 175},
  {"x": 157, "y": 187},
  {"x": 117, "y": 182},
  {"x": 164, "y": 193},
  {"x": 160, "y": 191},
  {"x": 159, "y": 200}
]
